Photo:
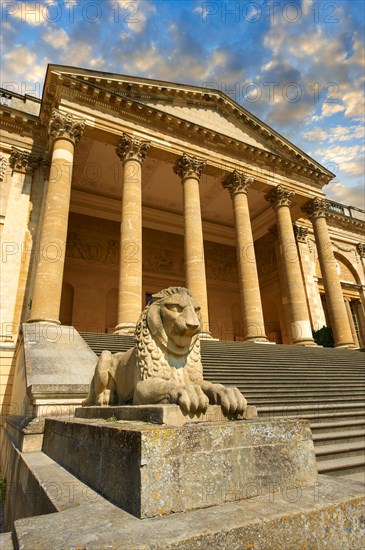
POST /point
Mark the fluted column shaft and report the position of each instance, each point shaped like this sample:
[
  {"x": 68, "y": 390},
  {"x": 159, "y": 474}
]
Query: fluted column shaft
[
  {"x": 189, "y": 169},
  {"x": 299, "y": 323},
  {"x": 65, "y": 132},
  {"x": 340, "y": 325},
  {"x": 132, "y": 152},
  {"x": 253, "y": 320}
]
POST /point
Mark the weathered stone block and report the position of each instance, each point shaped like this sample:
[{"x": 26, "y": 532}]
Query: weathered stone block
[
  {"x": 151, "y": 470},
  {"x": 171, "y": 415}
]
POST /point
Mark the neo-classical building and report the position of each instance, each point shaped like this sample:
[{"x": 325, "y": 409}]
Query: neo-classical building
[{"x": 114, "y": 187}]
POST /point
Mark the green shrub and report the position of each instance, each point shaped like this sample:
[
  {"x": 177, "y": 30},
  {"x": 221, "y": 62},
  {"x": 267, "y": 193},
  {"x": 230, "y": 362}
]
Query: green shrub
[
  {"x": 2, "y": 488},
  {"x": 324, "y": 337}
]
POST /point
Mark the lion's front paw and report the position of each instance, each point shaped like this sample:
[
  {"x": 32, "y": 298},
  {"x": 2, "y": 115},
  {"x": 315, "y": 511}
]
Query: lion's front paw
[
  {"x": 192, "y": 399},
  {"x": 230, "y": 399},
  {"x": 103, "y": 399}
]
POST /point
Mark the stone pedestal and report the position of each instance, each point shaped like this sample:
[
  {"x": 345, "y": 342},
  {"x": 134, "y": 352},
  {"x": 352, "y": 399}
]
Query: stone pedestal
[
  {"x": 54, "y": 366},
  {"x": 153, "y": 470}
]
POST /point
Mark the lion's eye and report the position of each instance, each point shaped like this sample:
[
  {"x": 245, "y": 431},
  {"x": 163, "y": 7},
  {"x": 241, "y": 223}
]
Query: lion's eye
[
  {"x": 197, "y": 309},
  {"x": 174, "y": 307}
]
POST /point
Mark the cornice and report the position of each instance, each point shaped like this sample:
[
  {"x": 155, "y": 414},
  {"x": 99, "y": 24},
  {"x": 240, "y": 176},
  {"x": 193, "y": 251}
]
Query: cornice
[
  {"x": 20, "y": 122},
  {"x": 351, "y": 224}
]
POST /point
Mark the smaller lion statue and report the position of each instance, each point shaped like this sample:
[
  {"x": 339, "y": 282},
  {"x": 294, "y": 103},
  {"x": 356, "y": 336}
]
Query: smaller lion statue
[{"x": 165, "y": 365}]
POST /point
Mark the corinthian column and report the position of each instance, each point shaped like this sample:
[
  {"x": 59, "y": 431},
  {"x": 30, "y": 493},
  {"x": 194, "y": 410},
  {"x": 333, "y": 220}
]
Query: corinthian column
[
  {"x": 238, "y": 184},
  {"x": 64, "y": 132},
  {"x": 189, "y": 169},
  {"x": 299, "y": 323},
  {"x": 340, "y": 325},
  {"x": 132, "y": 152}
]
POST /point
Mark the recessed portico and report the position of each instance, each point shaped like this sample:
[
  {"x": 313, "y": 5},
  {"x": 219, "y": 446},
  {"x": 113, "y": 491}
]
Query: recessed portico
[{"x": 141, "y": 218}]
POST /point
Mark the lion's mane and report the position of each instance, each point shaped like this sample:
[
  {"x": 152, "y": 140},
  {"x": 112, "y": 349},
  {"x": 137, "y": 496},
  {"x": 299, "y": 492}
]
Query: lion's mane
[{"x": 152, "y": 355}]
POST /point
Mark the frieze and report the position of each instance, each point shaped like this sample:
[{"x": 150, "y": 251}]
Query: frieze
[
  {"x": 237, "y": 182},
  {"x": 280, "y": 196},
  {"x": 187, "y": 167},
  {"x": 65, "y": 126},
  {"x": 130, "y": 148},
  {"x": 77, "y": 249},
  {"x": 220, "y": 262},
  {"x": 162, "y": 261}
]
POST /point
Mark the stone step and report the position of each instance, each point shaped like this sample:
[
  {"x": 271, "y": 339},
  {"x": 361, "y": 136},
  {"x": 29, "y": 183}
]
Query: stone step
[
  {"x": 315, "y": 408},
  {"x": 324, "y": 385},
  {"x": 340, "y": 450},
  {"x": 299, "y": 402},
  {"x": 333, "y": 427},
  {"x": 341, "y": 466},
  {"x": 329, "y": 438}
]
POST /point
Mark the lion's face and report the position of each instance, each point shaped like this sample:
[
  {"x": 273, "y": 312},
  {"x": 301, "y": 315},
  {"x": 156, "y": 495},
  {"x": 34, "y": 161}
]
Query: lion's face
[{"x": 175, "y": 321}]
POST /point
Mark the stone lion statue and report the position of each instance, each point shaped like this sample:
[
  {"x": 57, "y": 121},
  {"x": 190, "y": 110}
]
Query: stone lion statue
[{"x": 165, "y": 365}]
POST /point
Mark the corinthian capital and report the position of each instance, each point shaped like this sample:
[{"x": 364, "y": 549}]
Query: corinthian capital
[
  {"x": 65, "y": 126},
  {"x": 280, "y": 196},
  {"x": 187, "y": 167},
  {"x": 317, "y": 208},
  {"x": 23, "y": 161},
  {"x": 301, "y": 234},
  {"x": 130, "y": 148},
  {"x": 237, "y": 182}
]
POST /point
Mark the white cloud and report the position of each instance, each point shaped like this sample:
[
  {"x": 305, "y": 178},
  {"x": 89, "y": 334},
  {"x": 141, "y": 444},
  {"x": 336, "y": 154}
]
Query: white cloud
[
  {"x": 346, "y": 133},
  {"x": 28, "y": 12},
  {"x": 340, "y": 154},
  {"x": 316, "y": 134},
  {"x": 57, "y": 38},
  {"x": 306, "y": 6},
  {"x": 330, "y": 109},
  {"x": 135, "y": 14},
  {"x": 355, "y": 105}
]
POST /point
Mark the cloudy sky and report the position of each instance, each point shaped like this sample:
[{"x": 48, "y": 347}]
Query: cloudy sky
[{"x": 298, "y": 65}]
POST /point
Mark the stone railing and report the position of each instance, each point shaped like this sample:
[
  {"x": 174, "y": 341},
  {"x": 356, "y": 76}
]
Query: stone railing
[
  {"x": 26, "y": 103},
  {"x": 349, "y": 211}
]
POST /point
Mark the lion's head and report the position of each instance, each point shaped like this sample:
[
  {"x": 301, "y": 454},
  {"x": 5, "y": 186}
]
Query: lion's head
[{"x": 167, "y": 334}]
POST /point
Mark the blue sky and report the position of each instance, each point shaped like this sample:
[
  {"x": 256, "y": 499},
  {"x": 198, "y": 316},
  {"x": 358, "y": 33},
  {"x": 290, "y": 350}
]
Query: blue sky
[{"x": 298, "y": 65}]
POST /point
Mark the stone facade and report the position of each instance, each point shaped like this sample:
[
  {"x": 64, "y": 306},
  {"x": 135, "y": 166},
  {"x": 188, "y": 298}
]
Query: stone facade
[{"x": 114, "y": 187}]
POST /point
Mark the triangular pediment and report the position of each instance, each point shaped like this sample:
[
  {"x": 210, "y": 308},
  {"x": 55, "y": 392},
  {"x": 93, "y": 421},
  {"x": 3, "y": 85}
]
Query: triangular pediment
[
  {"x": 208, "y": 117},
  {"x": 206, "y": 108}
]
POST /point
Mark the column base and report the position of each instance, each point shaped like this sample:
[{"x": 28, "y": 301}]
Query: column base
[
  {"x": 346, "y": 345},
  {"x": 307, "y": 343},
  {"x": 49, "y": 321},
  {"x": 258, "y": 339},
  {"x": 125, "y": 329},
  {"x": 206, "y": 336}
]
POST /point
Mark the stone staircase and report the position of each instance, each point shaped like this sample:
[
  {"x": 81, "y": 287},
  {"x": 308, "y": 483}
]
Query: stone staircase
[{"x": 325, "y": 386}]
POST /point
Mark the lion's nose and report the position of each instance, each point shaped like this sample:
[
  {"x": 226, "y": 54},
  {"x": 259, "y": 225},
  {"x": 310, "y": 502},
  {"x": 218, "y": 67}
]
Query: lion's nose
[{"x": 191, "y": 319}]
